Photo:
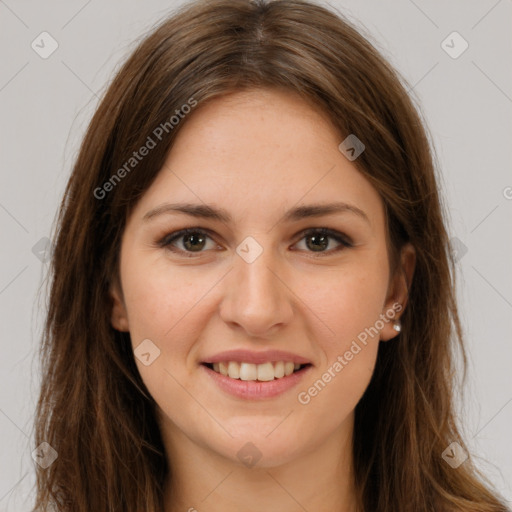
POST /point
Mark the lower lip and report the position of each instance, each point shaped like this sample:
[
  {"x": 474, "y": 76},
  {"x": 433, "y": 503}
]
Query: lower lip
[{"x": 256, "y": 390}]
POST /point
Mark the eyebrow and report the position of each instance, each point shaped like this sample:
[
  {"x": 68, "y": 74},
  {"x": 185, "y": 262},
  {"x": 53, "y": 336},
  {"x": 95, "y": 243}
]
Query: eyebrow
[{"x": 300, "y": 212}]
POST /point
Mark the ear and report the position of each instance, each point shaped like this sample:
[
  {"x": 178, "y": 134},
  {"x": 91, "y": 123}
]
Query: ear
[
  {"x": 398, "y": 291},
  {"x": 119, "y": 317}
]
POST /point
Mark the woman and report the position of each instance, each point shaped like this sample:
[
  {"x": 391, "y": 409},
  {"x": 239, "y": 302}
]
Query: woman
[{"x": 252, "y": 304}]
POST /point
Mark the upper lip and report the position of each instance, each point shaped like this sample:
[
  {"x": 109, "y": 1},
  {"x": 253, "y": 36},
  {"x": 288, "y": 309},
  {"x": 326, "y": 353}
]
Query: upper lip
[{"x": 249, "y": 356}]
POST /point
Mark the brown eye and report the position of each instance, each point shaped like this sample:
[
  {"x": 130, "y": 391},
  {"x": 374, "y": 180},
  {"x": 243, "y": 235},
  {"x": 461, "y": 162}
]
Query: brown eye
[
  {"x": 318, "y": 240},
  {"x": 192, "y": 240}
]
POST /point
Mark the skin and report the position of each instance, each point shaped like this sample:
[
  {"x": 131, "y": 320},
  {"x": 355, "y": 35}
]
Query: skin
[{"x": 257, "y": 154}]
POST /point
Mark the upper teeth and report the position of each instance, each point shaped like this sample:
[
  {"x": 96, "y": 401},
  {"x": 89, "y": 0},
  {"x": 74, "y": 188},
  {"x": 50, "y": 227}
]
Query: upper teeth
[{"x": 249, "y": 371}]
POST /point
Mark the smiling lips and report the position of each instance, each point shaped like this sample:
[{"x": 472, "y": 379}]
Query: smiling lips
[
  {"x": 256, "y": 366},
  {"x": 249, "y": 371},
  {"x": 256, "y": 389},
  {"x": 254, "y": 375}
]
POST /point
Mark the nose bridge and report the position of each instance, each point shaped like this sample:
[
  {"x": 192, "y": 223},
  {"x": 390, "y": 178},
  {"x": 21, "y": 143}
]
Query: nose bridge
[{"x": 256, "y": 299}]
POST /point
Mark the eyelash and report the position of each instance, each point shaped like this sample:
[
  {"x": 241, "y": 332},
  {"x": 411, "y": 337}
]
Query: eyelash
[{"x": 336, "y": 235}]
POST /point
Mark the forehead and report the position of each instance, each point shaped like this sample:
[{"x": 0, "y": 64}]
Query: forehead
[{"x": 256, "y": 153}]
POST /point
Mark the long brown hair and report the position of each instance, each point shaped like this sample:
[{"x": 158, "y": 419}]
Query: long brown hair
[{"x": 94, "y": 409}]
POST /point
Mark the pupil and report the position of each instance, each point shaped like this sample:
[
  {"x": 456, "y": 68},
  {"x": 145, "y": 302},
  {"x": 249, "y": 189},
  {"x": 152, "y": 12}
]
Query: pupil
[
  {"x": 193, "y": 237},
  {"x": 316, "y": 239}
]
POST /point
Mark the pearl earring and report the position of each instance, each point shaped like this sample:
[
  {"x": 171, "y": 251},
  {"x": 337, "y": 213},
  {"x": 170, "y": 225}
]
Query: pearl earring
[{"x": 397, "y": 326}]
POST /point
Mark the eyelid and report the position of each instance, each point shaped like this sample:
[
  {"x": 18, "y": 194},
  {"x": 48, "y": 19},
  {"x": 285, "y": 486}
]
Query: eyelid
[
  {"x": 175, "y": 235},
  {"x": 344, "y": 240},
  {"x": 333, "y": 233}
]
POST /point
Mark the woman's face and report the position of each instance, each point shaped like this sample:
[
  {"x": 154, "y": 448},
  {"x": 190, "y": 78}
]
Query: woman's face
[{"x": 255, "y": 282}]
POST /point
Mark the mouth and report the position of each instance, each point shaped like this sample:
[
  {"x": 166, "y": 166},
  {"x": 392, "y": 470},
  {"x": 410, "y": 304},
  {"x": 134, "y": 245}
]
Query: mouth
[
  {"x": 264, "y": 372},
  {"x": 255, "y": 382}
]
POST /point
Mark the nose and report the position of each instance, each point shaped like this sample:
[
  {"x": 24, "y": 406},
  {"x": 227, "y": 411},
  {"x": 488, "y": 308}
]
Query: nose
[{"x": 257, "y": 297}]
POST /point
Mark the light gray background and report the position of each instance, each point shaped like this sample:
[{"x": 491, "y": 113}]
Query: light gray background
[{"x": 467, "y": 103}]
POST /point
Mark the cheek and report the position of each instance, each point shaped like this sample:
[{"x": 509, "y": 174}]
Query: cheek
[
  {"x": 157, "y": 295},
  {"x": 162, "y": 305},
  {"x": 350, "y": 306},
  {"x": 348, "y": 301}
]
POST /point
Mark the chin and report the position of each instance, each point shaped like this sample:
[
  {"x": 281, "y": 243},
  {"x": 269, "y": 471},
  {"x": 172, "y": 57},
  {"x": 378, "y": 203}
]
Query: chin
[{"x": 255, "y": 448}]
